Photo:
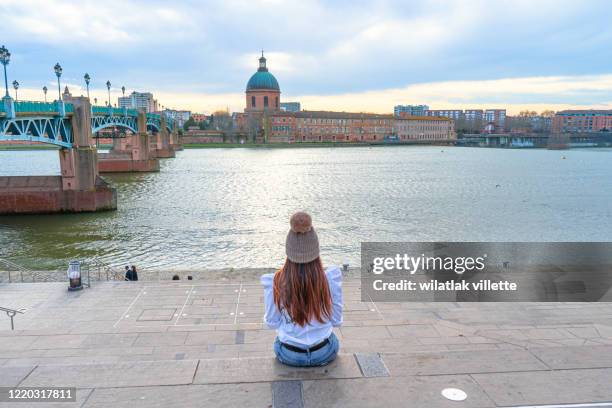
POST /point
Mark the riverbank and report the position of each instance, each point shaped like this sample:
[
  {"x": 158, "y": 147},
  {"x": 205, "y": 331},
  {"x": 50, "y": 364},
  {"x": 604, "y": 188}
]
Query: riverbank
[
  {"x": 266, "y": 145},
  {"x": 178, "y": 343},
  {"x": 300, "y": 145}
]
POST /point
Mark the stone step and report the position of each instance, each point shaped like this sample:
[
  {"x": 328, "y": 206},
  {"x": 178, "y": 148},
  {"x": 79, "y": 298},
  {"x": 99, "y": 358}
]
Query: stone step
[{"x": 364, "y": 380}]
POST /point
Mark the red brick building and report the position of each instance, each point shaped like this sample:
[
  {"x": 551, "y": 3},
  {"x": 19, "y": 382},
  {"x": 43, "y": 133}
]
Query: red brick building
[
  {"x": 263, "y": 121},
  {"x": 324, "y": 126},
  {"x": 582, "y": 121}
]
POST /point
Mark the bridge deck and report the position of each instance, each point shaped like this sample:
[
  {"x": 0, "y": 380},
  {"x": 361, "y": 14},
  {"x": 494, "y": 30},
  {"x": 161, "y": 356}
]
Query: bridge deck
[{"x": 203, "y": 341}]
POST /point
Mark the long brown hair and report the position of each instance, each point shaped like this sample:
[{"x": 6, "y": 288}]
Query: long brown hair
[{"x": 303, "y": 292}]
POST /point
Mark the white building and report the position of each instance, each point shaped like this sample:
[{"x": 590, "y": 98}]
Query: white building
[
  {"x": 179, "y": 116},
  {"x": 139, "y": 100},
  {"x": 411, "y": 110},
  {"x": 125, "y": 102}
]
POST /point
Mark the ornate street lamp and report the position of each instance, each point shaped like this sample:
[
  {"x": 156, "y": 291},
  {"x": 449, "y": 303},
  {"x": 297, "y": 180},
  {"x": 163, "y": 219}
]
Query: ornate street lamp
[
  {"x": 16, "y": 86},
  {"x": 58, "y": 71},
  {"x": 5, "y": 57},
  {"x": 108, "y": 85},
  {"x": 87, "y": 79},
  {"x": 45, "y": 89},
  {"x": 123, "y": 91}
]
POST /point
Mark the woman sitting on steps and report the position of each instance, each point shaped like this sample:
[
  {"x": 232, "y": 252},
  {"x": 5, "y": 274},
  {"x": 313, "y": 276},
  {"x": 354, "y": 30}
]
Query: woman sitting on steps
[{"x": 303, "y": 302}]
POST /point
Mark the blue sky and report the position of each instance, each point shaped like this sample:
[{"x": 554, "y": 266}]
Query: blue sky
[{"x": 344, "y": 55}]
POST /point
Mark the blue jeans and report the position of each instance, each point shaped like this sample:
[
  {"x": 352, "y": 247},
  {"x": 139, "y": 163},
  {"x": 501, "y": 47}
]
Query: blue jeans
[{"x": 317, "y": 358}]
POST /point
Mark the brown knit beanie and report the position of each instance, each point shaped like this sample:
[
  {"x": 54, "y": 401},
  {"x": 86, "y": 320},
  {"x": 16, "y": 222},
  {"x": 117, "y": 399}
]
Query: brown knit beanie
[{"x": 302, "y": 245}]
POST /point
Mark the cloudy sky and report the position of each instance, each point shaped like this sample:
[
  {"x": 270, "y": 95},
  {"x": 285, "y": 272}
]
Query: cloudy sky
[{"x": 337, "y": 55}]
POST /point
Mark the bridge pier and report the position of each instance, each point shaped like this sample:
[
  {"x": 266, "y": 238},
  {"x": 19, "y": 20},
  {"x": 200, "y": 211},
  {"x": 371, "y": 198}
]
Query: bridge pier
[
  {"x": 161, "y": 145},
  {"x": 78, "y": 189},
  {"x": 161, "y": 141},
  {"x": 130, "y": 154},
  {"x": 174, "y": 141}
]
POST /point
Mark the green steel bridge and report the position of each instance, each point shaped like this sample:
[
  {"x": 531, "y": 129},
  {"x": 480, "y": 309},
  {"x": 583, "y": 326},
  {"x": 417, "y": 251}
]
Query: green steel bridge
[{"x": 51, "y": 122}]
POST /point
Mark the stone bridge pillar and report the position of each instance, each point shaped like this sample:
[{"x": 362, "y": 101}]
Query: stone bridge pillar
[
  {"x": 79, "y": 165},
  {"x": 141, "y": 141},
  {"x": 174, "y": 139},
  {"x": 132, "y": 153},
  {"x": 163, "y": 148}
]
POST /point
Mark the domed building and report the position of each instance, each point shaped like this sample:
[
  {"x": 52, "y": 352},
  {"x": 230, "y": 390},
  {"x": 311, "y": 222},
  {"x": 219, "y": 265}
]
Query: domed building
[{"x": 262, "y": 90}]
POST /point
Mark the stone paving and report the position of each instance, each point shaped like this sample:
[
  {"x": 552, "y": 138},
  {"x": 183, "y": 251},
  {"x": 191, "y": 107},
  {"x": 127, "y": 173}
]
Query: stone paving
[{"x": 202, "y": 343}]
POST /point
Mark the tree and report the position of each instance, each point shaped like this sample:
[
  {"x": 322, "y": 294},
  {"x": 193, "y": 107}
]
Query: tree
[
  {"x": 189, "y": 122},
  {"x": 528, "y": 114},
  {"x": 222, "y": 120},
  {"x": 547, "y": 113}
]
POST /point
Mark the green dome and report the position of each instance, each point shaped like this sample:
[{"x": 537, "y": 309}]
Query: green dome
[{"x": 262, "y": 79}]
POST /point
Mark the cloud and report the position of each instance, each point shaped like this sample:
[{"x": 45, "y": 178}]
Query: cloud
[
  {"x": 91, "y": 23},
  {"x": 440, "y": 52},
  {"x": 514, "y": 94}
]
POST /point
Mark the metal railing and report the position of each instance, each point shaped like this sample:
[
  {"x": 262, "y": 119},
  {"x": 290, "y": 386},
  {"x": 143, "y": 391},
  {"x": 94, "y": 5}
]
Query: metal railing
[
  {"x": 103, "y": 269},
  {"x": 11, "y": 314},
  {"x": 41, "y": 107},
  {"x": 111, "y": 111},
  {"x": 18, "y": 273},
  {"x": 14, "y": 268}
]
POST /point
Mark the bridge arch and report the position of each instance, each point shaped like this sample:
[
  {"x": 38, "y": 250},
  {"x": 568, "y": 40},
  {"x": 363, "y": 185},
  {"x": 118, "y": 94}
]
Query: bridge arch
[
  {"x": 152, "y": 126},
  {"x": 102, "y": 122},
  {"x": 43, "y": 129}
]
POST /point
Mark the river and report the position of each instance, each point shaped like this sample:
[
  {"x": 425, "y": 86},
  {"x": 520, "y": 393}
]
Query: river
[{"x": 212, "y": 208}]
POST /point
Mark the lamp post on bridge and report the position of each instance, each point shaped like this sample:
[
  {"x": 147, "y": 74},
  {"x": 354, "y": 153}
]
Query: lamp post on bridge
[
  {"x": 58, "y": 71},
  {"x": 87, "y": 79},
  {"x": 45, "y": 89},
  {"x": 108, "y": 85},
  {"x": 5, "y": 57},
  {"x": 16, "y": 86}
]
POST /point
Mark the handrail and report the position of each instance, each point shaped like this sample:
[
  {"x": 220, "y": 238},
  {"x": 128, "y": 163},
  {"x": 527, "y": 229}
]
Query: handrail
[
  {"x": 42, "y": 107},
  {"x": 11, "y": 313},
  {"x": 104, "y": 267},
  {"x": 16, "y": 267},
  {"x": 22, "y": 269}
]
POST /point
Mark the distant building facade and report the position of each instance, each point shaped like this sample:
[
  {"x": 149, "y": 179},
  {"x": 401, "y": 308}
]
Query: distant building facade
[
  {"x": 473, "y": 114},
  {"x": 495, "y": 120},
  {"x": 199, "y": 117},
  {"x": 324, "y": 126},
  {"x": 454, "y": 114},
  {"x": 66, "y": 95},
  {"x": 411, "y": 110},
  {"x": 125, "y": 102},
  {"x": 582, "y": 121},
  {"x": 138, "y": 100},
  {"x": 267, "y": 119},
  {"x": 290, "y": 106},
  {"x": 178, "y": 116}
]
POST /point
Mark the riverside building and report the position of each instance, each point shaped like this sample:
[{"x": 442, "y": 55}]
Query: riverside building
[
  {"x": 411, "y": 110},
  {"x": 325, "y": 126},
  {"x": 582, "y": 121},
  {"x": 264, "y": 120}
]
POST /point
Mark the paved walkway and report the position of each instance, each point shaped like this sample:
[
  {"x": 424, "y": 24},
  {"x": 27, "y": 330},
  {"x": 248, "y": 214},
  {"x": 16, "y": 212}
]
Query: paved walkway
[{"x": 202, "y": 343}]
